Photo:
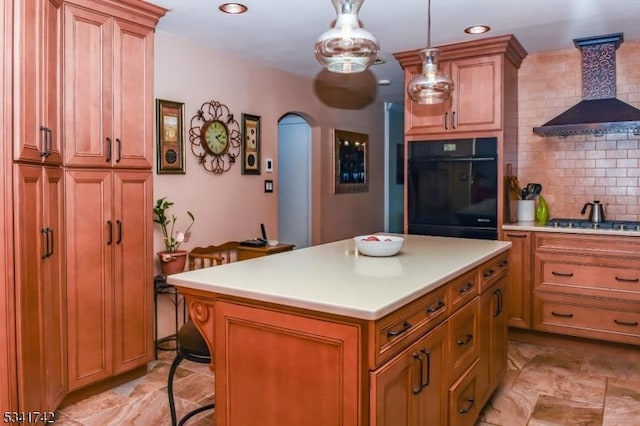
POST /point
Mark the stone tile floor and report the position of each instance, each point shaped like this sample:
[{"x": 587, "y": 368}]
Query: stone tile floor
[{"x": 544, "y": 385}]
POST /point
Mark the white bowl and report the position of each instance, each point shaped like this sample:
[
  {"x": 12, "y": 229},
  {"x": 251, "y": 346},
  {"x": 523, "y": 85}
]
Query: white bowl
[
  {"x": 272, "y": 243},
  {"x": 385, "y": 245}
]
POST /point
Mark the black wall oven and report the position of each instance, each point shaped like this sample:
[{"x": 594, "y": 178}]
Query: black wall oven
[{"x": 453, "y": 188}]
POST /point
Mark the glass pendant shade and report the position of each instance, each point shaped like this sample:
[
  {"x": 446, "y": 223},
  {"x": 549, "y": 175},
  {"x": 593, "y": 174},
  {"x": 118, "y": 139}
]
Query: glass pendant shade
[
  {"x": 347, "y": 47},
  {"x": 432, "y": 86}
]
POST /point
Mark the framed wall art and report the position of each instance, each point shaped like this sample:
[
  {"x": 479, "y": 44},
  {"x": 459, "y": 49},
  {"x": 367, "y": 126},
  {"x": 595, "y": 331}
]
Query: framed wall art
[
  {"x": 351, "y": 161},
  {"x": 250, "y": 144},
  {"x": 170, "y": 137}
]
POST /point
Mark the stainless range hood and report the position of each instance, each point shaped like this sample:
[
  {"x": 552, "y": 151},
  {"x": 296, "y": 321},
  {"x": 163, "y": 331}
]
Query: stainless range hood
[{"x": 600, "y": 111}]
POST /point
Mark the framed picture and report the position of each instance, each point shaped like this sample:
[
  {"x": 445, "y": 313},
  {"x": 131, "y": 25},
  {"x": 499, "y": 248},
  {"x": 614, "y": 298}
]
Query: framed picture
[
  {"x": 351, "y": 161},
  {"x": 170, "y": 137},
  {"x": 250, "y": 144}
]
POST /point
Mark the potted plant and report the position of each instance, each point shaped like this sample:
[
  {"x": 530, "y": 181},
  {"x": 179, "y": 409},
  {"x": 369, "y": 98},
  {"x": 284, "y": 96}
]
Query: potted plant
[{"x": 172, "y": 260}]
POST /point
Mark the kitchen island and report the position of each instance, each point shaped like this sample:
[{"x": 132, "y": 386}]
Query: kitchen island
[{"x": 326, "y": 336}]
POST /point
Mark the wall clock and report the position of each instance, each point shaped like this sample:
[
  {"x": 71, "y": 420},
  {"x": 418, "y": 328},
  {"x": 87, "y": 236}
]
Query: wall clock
[{"x": 215, "y": 137}]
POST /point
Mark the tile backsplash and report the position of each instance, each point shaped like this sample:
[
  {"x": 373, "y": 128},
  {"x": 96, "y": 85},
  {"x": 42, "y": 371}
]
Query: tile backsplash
[{"x": 577, "y": 169}]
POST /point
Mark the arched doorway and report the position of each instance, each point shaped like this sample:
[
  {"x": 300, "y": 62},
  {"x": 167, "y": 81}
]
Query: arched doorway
[{"x": 294, "y": 179}]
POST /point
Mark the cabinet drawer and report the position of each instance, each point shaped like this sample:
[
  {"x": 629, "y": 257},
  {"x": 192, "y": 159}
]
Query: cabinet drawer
[
  {"x": 463, "y": 399},
  {"x": 399, "y": 329},
  {"x": 464, "y": 346},
  {"x": 490, "y": 271},
  {"x": 616, "y": 321},
  {"x": 463, "y": 289},
  {"x": 617, "y": 278}
]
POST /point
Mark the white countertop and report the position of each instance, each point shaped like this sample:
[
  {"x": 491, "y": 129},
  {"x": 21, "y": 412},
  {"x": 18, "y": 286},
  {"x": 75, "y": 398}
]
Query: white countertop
[
  {"x": 334, "y": 278},
  {"x": 531, "y": 226}
]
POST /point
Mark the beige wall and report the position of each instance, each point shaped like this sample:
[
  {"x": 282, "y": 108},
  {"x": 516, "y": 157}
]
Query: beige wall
[
  {"x": 232, "y": 206},
  {"x": 577, "y": 169}
]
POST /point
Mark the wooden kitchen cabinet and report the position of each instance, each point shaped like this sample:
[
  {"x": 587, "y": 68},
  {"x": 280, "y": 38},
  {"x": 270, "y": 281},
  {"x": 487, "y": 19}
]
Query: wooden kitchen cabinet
[
  {"x": 587, "y": 286},
  {"x": 109, "y": 273},
  {"x": 108, "y": 86},
  {"x": 252, "y": 348},
  {"x": 37, "y": 86},
  {"x": 411, "y": 389},
  {"x": 521, "y": 261},
  {"x": 40, "y": 292},
  {"x": 483, "y": 73}
]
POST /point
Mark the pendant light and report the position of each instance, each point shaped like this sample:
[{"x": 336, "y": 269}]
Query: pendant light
[
  {"x": 347, "y": 47},
  {"x": 432, "y": 86}
]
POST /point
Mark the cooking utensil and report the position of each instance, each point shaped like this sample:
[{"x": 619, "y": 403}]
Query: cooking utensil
[
  {"x": 537, "y": 188},
  {"x": 597, "y": 213}
]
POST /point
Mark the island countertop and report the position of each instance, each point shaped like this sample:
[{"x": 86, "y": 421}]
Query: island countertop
[{"x": 334, "y": 278}]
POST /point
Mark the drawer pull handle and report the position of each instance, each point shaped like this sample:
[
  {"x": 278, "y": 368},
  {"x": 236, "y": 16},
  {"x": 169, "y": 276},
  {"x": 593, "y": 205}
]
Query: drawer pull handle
[
  {"x": 562, "y": 274},
  {"x": 419, "y": 388},
  {"x": 471, "y": 401},
  {"x": 405, "y": 326},
  {"x": 437, "y": 307},
  {"x": 466, "y": 288},
  {"x": 630, "y": 324},
  {"x": 466, "y": 341},
  {"x": 489, "y": 273},
  {"x": 628, "y": 280},
  {"x": 561, "y": 314},
  {"x": 517, "y": 235},
  {"x": 503, "y": 264}
]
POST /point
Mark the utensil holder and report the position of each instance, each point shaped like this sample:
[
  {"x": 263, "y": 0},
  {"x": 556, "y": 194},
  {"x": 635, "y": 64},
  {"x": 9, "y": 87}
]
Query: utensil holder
[{"x": 526, "y": 210}]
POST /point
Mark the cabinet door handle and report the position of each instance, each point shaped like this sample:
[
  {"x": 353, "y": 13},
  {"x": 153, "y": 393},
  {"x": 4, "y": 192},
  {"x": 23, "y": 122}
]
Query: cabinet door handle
[
  {"x": 561, "y": 314},
  {"x": 405, "y": 326},
  {"x": 49, "y": 143},
  {"x": 419, "y": 388},
  {"x": 517, "y": 235},
  {"x": 119, "y": 223},
  {"x": 45, "y": 139},
  {"x": 468, "y": 338},
  {"x": 471, "y": 401},
  {"x": 109, "y": 147},
  {"x": 629, "y": 323},
  {"x": 45, "y": 237},
  {"x": 453, "y": 120},
  {"x": 50, "y": 232},
  {"x": 562, "y": 274},
  {"x": 436, "y": 307},
  {"x": 498, "y": 294},
  {"x": 110, "y": 225},
  {"x": 119, "y": 142},
  {"x": 446, "y": 118},
  {"x": 465, "y": 288},
  {"x": 627, "y": 280},
  {"x": 427, "y": 355}
]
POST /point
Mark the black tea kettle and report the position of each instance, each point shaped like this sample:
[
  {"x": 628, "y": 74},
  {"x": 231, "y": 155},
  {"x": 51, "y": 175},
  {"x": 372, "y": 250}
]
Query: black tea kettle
[{"x": 597, "y": 213}]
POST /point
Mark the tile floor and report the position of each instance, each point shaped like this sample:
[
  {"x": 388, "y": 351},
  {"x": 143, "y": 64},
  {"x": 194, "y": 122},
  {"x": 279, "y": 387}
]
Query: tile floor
[{"x": 544, "y": 385}]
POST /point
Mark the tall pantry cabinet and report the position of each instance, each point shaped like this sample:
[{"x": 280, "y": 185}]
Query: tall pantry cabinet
[
  {"x": 8, "y": 395},
  {"x": 108, "y": 111},
  {"x": 76, "y": 183}
]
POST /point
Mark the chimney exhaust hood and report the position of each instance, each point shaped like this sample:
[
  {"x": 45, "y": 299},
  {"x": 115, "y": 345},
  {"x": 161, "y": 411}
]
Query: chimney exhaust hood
[{"x": 600, "y": 111}]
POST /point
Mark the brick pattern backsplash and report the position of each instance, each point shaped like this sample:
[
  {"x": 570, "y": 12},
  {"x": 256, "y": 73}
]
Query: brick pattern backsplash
[{"x": 577, "y": 169}]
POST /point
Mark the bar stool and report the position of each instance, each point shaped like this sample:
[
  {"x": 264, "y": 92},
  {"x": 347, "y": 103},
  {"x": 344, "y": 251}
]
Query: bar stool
[{"x": 191, "y": 346}]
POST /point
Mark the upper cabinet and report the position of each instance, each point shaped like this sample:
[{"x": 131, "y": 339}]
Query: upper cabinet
[
  {"x": 108, "y": 90},
  {"x": 484, "y": 77},
  {"x": 37, "y": 92}
]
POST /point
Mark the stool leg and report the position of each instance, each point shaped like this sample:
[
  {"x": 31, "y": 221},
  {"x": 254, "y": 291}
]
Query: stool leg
[{"x": 172, "y": 404}]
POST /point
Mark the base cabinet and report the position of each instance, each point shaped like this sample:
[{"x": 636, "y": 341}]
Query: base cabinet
[
  {"x": 521, "y": 260},
  {"x": 410, "y": 389}
]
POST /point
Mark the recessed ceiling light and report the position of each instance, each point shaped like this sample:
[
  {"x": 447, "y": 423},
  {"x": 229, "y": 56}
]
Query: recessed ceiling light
[
  {"x": 384, "y": 82},
  {"x": 233, "y": 8},
  {"x": 477, "y": 29}
]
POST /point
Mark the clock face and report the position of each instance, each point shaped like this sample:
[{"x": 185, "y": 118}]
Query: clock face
[{"x": 216, "y": 137}]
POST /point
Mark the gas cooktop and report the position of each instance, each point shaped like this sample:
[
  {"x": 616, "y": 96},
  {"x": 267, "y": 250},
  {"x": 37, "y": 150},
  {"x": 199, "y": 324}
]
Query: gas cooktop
[{"x": 618, "y": 225}]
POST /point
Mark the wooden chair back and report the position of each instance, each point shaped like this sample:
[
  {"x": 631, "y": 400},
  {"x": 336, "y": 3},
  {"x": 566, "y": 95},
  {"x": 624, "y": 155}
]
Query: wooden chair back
[{"x": 203, "y": 257}]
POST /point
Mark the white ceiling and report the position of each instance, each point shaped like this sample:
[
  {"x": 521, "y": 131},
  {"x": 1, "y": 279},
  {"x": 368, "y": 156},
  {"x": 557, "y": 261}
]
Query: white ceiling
[{"x": 281, "y": 33}]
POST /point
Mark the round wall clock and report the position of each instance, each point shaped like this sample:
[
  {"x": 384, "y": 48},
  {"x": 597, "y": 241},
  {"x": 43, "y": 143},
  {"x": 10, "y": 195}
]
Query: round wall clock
[{"x": 215, "y": 137}]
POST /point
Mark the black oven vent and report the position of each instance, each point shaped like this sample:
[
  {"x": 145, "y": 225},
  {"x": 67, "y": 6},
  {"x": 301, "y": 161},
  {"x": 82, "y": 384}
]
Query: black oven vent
[{"x": 600, "y": 111}]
